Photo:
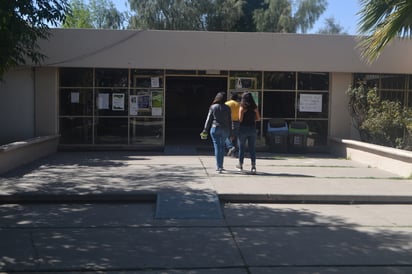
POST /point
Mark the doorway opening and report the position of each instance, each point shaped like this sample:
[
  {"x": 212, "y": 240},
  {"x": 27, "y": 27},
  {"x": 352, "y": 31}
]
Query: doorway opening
[{"x": 187, "y": 104}]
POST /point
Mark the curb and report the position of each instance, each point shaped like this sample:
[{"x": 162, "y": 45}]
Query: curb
[{"x": 150, "y": 197}]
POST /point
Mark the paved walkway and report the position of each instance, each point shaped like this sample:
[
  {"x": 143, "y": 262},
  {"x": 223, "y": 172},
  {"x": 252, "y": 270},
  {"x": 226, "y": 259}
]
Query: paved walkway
[
  {"x": 134, "y": 176},
  {"x": 78, "y": 214}
]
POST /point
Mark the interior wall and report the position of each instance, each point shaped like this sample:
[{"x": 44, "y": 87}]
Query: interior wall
[{"x": 16, "y": 106}]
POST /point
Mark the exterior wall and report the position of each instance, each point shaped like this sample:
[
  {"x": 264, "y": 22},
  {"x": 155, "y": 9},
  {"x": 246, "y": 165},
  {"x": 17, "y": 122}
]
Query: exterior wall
[
  {"x": 218, "y": 51},
  {"x": 29, "y": 105},
  {"x": 340, "y": 120},
  {"x": 17, "y": 106},
  {"x": 46, "y": 102}
]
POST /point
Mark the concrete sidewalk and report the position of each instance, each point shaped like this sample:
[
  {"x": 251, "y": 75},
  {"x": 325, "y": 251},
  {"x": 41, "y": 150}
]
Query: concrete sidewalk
[
  {"x": 126, "y": 212},
  {"x": 134, "y": 176}
]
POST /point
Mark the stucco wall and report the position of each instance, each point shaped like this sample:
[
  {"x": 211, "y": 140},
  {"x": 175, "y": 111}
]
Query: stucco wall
[
  {"x": 47, "y": 109},
  {"x": 218, "y": 50},
  {"x": 17, "y": 106},
  {"x": 340, "y": 120}
]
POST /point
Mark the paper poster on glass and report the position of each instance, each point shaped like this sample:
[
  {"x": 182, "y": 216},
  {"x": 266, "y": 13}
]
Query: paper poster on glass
[
  {"x": 118, "y": 101},
  {"x": 75, "y": 97},
  {"x": 157, "y": 103},
  {"x": 310, "y": 103},
  {"x": 143, "y": 101},
  {"x": 155, "y": 82},
  {"x": 133, "y": 107},
  {"x": 103, "y": 101}
]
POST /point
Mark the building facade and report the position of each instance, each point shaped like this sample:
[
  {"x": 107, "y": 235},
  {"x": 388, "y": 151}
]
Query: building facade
[{"x": 144, "y": 89}]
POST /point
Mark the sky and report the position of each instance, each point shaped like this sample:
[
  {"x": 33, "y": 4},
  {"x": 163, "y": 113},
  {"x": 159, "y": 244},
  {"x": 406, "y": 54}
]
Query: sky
[{"x": 343, "y": 11}]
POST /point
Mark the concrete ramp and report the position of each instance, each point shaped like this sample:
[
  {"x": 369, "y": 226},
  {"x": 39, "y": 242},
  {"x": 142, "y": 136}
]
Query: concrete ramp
[{"x": 188, "y": 205}]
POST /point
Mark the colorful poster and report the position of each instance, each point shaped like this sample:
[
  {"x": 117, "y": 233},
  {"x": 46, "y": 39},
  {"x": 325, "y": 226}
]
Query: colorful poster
[
  {"x": 143, "y": 101},
  {"x": 118, "y": 101}
]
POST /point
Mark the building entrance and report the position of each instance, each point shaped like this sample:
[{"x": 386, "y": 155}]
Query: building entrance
[{"x": 187, "y": 104}]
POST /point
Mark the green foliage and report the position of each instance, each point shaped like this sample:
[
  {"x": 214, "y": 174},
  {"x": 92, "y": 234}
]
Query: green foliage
[
  {"x": 226, "y": 15},
  {"x": 381, "y": 122},
  {"x": 99, "y": 14},
  {"x": 80, "y": 16},
  {"x": 22, "y": 23},
  {"x": 331, "y": 27},
  {"x": 380, "y": 22}
]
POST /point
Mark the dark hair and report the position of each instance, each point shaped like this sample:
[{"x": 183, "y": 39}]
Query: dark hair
[
  {"x": 220, "y": 98},
  {"x": 247, "y": 101},
  {"x": 234, "y": 96}
]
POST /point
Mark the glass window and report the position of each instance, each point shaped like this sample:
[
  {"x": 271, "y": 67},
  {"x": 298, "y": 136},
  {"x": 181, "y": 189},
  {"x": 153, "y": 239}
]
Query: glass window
[
  {"x": 112, "y": 78},
  {"x": 313, "y": 81},
  {"x": 148, "y": 102},
  {"x": 76, "y": 130},
  {"x": 147, "y": 78},
  {"x": 318, "y": 131},
  {"x": 280, "y": 80},
  {"x": 111, "y": 131},
  {"x": 392, "y": 95},
  {"x": 393, "y": 81},
  {"x": 245, "y": 80},
  {"x": 146, "y": 131},
  {"x": 370, "y": 80},
  {"x": 76, "y": 77},
  {"x": 111, "y": 102},
  {"x": 278, "y": 104},
  {"x": 78, "y": 102}
]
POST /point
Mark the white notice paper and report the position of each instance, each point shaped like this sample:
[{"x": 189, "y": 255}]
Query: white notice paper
[
  {"x": 155, "y": 82},
  {"x": 74, "y": 98},
  {"x": 103, "y": 101},
  {"x": 156, "y": 111},
  {"x": 133, "y": 107},
  {"x": 310, "y": 103},
  {"x": 118, "y": 101}
]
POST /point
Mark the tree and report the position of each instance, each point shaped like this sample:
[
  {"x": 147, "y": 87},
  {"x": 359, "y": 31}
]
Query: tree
[
  {"x": 246, "y": 22},
  {"x": 331, "y": 27},
  {"x": 105, "y": 15},
  {"x": 219, "y": 15},
  {"x": 80, "y": 16},
  {"x": 280, "y": 16},
  {"x": 224, "y": 15},
  {"x": 99, "y": 14},
  {"x": 22, "y": 23},
  {"x": 380, "y": 22}
]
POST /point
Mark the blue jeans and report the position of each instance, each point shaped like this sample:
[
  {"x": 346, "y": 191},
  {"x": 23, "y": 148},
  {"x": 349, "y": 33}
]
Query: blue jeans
[
  {"x": 247, "y": 134},
  {"x": 219, "y": 135},
  {"x": 235, "y": 134}
]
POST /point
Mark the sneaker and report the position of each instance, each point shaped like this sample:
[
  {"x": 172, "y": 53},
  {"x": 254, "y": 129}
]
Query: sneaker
[
  {"x": 239, "y": 167},
  {"x": 219, "y": 170},
  {"x": 231, "y": 151},
  {"x": 253, "y": 170}
]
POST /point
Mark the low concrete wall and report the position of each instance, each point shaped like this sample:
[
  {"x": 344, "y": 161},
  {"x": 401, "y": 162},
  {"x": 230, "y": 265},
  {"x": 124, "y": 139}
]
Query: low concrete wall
[
  {"x": 390, "y": 159},
  {"x": 17, "y": 154}
]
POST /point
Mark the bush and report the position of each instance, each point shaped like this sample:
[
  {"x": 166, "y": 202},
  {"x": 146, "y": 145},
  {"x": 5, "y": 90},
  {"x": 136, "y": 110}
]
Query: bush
[{"x": 381, "y": 122}]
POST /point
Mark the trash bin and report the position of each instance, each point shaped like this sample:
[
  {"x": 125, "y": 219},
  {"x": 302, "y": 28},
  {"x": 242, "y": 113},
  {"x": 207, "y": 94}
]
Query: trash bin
[
  {"x": 277, "y": 134},
  {"x": 298, "y": 133}
]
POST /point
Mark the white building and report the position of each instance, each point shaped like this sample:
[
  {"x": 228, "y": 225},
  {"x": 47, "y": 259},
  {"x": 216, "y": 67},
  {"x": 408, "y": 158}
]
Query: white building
[{"x": 141, "y": 89}]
